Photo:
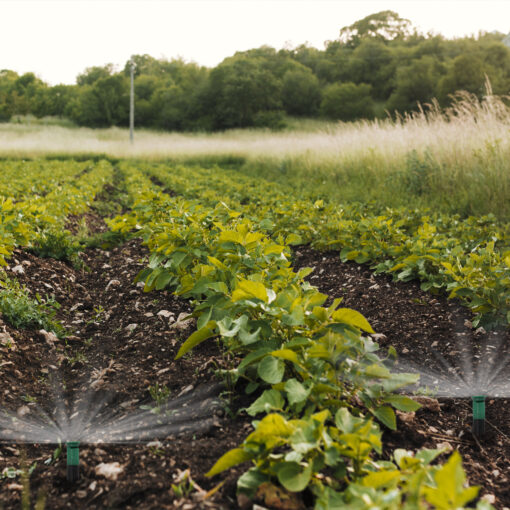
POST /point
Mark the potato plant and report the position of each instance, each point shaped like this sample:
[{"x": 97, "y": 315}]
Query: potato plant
[
  {"x": 320, "y": 388},
  {"x": 467, "y": 258}
]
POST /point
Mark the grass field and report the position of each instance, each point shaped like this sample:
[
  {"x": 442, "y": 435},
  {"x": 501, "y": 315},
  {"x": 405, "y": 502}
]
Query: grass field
[{"x": 455, "y": 161}]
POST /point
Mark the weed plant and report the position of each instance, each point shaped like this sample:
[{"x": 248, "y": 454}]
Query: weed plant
[
  {"x": 21, "y": 311},
  {"x": 59, "y": 245}
]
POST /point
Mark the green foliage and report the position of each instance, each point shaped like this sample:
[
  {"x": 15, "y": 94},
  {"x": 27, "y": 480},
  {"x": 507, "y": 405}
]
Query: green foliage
[
  {"x": 347, "y": 101},
  {"x": 446, "y": 253},
  {"x": 381, "y": 26},
  {"x": 239, "y": 89},
  {"x": 416, "y": 84},
  {"x": 21, "y": 311},
  {"x": 57, "y": 244},
  {"x": 301, "y": 92},
  {"x": 320, "y": 383}
]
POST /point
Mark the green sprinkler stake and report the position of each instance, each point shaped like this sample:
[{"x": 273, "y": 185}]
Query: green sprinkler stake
[
  {"x": 478, "y": 416},
  {"x": 73, "y": 461}
]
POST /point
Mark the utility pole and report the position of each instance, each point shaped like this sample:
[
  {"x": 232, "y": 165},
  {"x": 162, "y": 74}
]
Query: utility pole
[{"x": 132, "y": 104}]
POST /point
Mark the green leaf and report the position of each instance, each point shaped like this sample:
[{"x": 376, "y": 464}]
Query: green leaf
[
  {"x": 248, "y": 338},
  {"x": 427, "y": 455},
  {"x": 380, "y": 479},
  {"x": 296, "y": 392},
  {"x": 286, "y": 354},
  {"x": 250, "y": 481},
  {"x": 229, "y": 328},
  {"x": 449, "y": 491},
  {"x": 353, "y": 318},
  {"x": 402, "y": 403},
  {"x": 293, "y": 476},
  {"x": 270, "y": 400},
  {"x": 271, "y": 370},
  {"x": 386, "y": 415},
  {"x": 377, "y": 370},
  {"x": 294, "y": 239},
  {"x": 398, "y": 381},
  {"x": 163, "y": 280},
  {"x": 230, "y": 459},
  {"x": 253, "y": 357},
  {"x": 346, "y": 422},
  {"x": 196, "y": 338},
  {"x": 247, "y": 289}
]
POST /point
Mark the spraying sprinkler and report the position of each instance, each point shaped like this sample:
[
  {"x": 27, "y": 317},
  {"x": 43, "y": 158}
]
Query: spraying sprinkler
[
  {"x": 478, "y": 415},
  {"x": 73, "y": 461}
]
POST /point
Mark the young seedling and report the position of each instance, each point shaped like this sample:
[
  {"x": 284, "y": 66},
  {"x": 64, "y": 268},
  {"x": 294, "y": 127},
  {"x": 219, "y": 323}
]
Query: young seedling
[
  {"x": 73, "y": 461},
  {"x": 478, "y": 415}
]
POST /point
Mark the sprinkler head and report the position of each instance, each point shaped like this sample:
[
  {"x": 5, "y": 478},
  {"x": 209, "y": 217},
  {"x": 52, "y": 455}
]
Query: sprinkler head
[
  {"x": 478, "y": 415},
  {"x": 73, "y": 461}
]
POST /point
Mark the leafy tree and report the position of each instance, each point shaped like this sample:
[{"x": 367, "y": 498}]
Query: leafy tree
[
  {"x": 415, "y": 83},
  {"x": 347, "y": 101},
  {"x": 301, "y": 92},
  {"x": 466, "y": 72},
  {"x": 374, "y": 63},
  {"x": 7, "y": 80},
  {"x": 92, "y": 74},
  {"x": 382, "y": 26},
  {"x": 104, "y": 103},
  {"x": 240, "y": 88}
]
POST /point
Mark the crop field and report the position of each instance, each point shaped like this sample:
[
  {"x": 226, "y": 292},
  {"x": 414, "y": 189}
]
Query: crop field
[{"x": 215, "y": 338}]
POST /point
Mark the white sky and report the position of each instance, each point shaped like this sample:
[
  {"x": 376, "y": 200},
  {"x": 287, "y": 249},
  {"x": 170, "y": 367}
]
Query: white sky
[{"x": 58, "y": 39}]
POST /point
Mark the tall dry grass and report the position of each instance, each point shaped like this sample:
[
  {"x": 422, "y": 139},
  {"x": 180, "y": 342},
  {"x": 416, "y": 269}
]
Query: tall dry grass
[{"x": 456, "y": 159}]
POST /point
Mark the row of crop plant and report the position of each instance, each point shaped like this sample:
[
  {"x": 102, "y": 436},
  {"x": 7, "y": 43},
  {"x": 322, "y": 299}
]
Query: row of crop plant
[
  {"x": 467, "y": 258},
  {"x": 44, "y": 194},
  {"x": 319, "y": 387}
]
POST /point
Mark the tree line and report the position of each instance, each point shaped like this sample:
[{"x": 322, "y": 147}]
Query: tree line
[{"x": 378, "y": 65}]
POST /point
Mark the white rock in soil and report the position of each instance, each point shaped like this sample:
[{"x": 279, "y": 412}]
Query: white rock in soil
[
  {"x": 406, "y": 417},
  {"x": 49, "y": 337},
  {"x": 18, "y": 269},
  {"x": 113, "y": 283},
  {"x": 131, "y": 327},
  {"x": 490, "y": 498},
  {"x": 444, "y": 446},
  {"x": 186, "y": 390},
  {"x": 6, "y": 339},
  {"x": 110, "y": 471},
  {"x": 23, "y": 411},
  {"x": 429, "y": 403},
  {"x": 182, "y": 321},
  {"x": 165, "y": 313}
]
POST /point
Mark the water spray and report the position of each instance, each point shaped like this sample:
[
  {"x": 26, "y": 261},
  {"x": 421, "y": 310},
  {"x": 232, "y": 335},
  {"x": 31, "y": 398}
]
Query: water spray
[
  {"x": 73, "y": 461},
  {"x": 478, "y": 415}
]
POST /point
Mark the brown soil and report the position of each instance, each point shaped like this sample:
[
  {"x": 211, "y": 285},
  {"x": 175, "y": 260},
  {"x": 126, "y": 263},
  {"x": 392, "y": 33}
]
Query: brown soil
[{"x": 100, "y": 305}]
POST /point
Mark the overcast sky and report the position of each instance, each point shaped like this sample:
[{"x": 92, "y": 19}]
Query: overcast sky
[{"x": 58, "y": 39}]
